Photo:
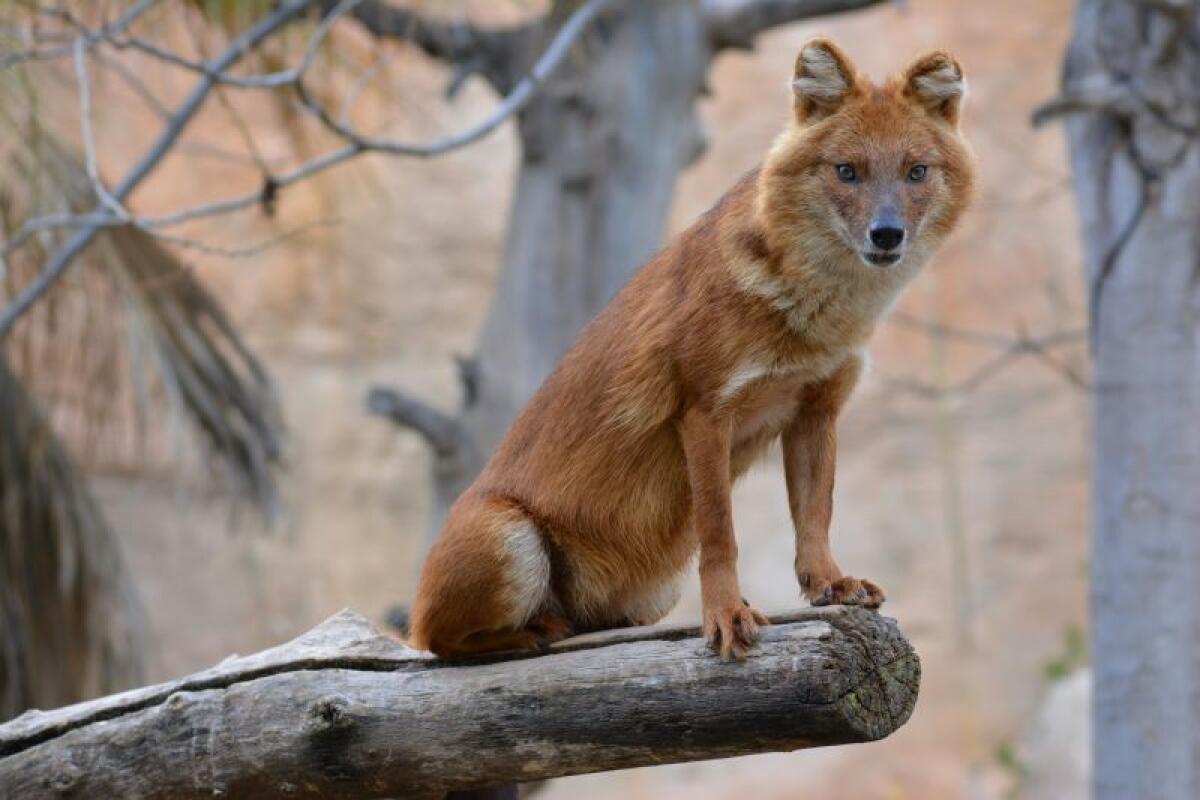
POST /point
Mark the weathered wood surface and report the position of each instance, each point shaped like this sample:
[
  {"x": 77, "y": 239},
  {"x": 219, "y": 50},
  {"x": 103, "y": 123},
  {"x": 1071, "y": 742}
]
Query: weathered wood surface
[{"x": 345, "y": 712}]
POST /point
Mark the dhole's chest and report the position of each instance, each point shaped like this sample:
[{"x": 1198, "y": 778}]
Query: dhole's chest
[{"x": 762, "y": 399}]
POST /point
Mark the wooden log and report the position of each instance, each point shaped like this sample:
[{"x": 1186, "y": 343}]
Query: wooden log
[{"x": 345, "y": 712}]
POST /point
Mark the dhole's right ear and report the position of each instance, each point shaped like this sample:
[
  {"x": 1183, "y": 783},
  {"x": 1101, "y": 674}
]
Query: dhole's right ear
[{"x": 824, "y": 80}]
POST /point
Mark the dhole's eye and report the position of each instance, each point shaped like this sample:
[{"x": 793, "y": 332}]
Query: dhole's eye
[
  {"x": 918, "y": 173},
  {"x": 846, "y": 173}
]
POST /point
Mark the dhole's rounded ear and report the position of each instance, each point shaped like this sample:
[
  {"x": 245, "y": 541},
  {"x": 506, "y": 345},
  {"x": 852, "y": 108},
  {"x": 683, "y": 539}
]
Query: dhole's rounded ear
[
  {"x": 935, "y": 80},
  {"x": 824, "y": 80}
]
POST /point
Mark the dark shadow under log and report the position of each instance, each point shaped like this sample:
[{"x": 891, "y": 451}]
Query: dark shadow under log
[{"x": 344, "y": 712}]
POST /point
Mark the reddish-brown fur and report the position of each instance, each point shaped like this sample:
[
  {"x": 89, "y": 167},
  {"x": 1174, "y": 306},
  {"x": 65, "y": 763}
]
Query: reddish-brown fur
[{"x": 748, "y": 328}]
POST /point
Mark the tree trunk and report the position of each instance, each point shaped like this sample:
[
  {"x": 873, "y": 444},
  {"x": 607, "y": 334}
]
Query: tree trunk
[
  {"x": 1130, "y": 87},
  {"x": 343, "y": 712}
]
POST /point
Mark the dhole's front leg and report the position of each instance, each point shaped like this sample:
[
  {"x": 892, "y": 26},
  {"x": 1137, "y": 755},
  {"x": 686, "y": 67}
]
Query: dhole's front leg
[
  {"x": 730, "y": 624},
  {"x": 809, "y": 459}
]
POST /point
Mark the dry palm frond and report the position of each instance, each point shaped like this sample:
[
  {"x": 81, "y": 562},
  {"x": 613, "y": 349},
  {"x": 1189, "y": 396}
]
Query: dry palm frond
[
  {"x": 205, "y": 365},
  {"x": 204, "y": 368},
  {"x": 70, "y": 624}
]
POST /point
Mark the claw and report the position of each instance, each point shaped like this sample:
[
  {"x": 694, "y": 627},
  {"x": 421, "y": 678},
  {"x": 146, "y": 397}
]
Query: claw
[
  {"x": 849, "y": 591},
  {"x": 731, "y": 633}
]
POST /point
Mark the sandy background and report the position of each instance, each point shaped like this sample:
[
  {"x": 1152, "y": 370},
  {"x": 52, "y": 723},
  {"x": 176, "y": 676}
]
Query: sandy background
[{"x": 969, "y": 507}]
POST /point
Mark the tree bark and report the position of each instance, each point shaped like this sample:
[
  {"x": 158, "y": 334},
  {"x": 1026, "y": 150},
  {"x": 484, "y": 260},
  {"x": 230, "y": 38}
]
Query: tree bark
[
  {"x": 1133, "y": 102},
  {"x": 343, "y": 712}
]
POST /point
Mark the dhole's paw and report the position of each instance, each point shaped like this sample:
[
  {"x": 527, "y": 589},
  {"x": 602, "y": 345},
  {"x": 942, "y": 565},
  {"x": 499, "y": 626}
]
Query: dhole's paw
[
  {"x": 845, "y": 591},
  {"x": 731, "y": 632}
]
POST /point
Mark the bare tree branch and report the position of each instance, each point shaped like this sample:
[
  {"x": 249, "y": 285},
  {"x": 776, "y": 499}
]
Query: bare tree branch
[
  {"x": 1038, "y": 349},
  {"x": 111, "y": 212},
  {"x": 1114, "y": 95},
  {"x": 89, "y": 141},
  {"x": 937, "y": 329},
  {"x": 520, "y": 96},
  {"x": 442, "y": 432},
  {"x": 1011, "y": 349},
  {"x": 360, "y": 85},
  {"x": 137, "y": 85},
  {"x": 496, "y": 54},
  {"x": 271, "y": 80},
  {"x": 62, "y": 259},
  {"x": 491, "y": 53},
  {"x": 91, "y": 38},
  {"x": 735, "y": 24}
]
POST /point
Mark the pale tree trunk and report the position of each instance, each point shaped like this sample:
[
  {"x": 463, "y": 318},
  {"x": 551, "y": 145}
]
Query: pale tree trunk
[
  {"x": 1131, "y": 90},
  {"x": 602, "y": 147}
]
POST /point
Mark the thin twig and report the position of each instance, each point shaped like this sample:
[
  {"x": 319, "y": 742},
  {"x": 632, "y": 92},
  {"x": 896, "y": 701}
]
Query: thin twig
[
  {"x": 360, "y": 85},
  {"x": 239, "y": 124},
  {"x": 1013, "y": 349},
  {"x": 937, "y": 329},
  {"x": 212, "y": 74},
  {"x": 152, "y": 224},
  {"x": 63, "y": 258},
  {"x": 89, "y": 141},
  {"x": 136, "y": 85},
  {"x": 244, "y": 251},
  {"x": 218, "y": 207},
  {"x": 1064, "y": 371},
  {"x": 271, "y": 80},
  {"x": 104, "y": 33},
  {"x": 520, "y": 96}
]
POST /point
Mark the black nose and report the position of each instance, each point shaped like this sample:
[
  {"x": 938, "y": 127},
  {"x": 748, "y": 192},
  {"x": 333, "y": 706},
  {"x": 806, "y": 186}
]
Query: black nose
[{"x": 886, "y": 237}]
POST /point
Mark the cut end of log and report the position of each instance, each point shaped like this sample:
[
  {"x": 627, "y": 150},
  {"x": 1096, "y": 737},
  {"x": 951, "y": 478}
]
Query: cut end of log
[{"x": 885, "y": 699}]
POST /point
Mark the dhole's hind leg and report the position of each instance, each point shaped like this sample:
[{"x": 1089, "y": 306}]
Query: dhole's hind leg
[
  {"x": 651, "y": 603},
  {"x": 538, "y": 633},
  {"x": 486, "y": 584}
]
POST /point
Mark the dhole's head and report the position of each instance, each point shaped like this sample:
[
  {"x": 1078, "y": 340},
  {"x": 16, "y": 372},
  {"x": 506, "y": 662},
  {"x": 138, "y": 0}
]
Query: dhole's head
[{"x": 875, "y": 174}]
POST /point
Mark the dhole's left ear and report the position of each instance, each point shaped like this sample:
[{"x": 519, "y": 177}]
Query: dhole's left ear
[
  {"x": 823, "y": 81},
  {"x": 936, "y": 81}
]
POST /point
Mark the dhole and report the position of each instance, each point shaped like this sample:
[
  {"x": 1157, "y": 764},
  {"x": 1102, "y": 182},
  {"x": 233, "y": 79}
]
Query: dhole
[{"x": 748, "y": 328}]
